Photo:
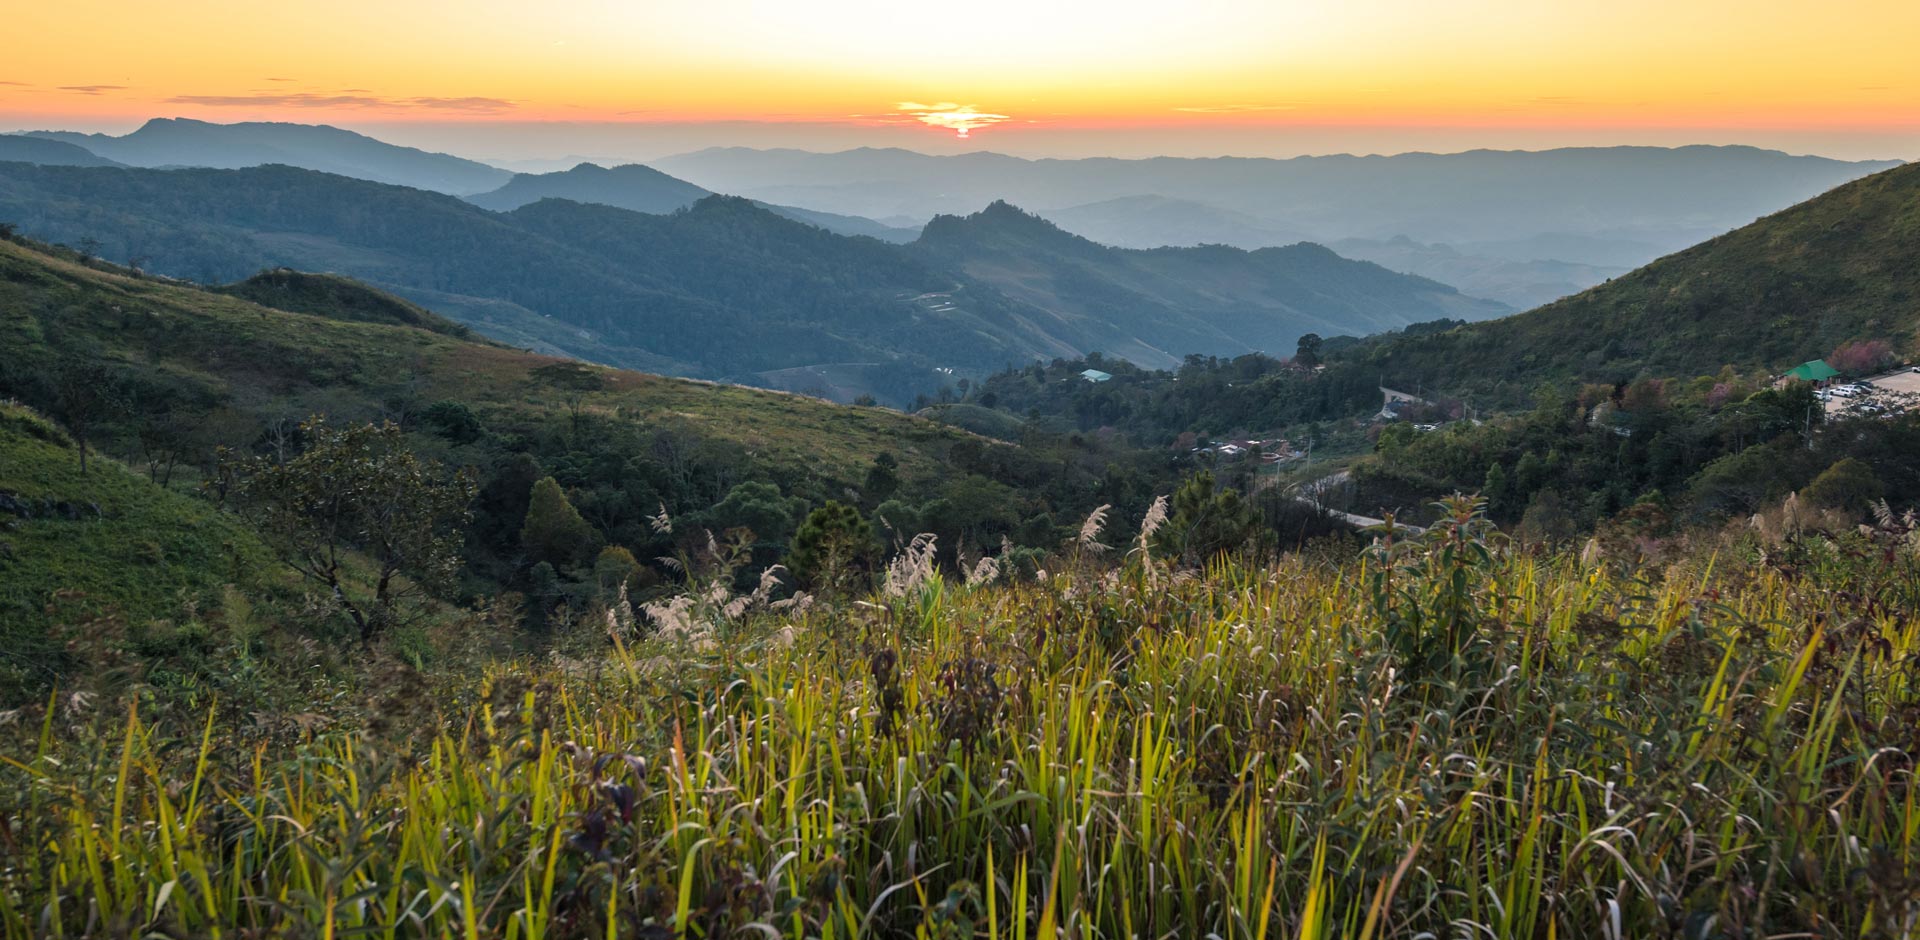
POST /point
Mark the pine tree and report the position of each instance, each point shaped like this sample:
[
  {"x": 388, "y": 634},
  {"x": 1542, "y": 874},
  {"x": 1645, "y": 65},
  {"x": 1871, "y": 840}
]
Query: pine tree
[
  {"x": 1204, "y": 522},
  {"x": 554, "y": 531},
  {"x": 833, "y": 547},
  {"x": 1494, "y": 489}
]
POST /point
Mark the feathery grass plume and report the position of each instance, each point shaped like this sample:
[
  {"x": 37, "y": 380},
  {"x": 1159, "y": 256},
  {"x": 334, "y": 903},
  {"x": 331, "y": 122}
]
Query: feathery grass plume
[
  {"x": 620, "y": 621},
  {"x": 1883, "y": 514},
  {"x": 661, "y": 522},
  {"x": 1143, "y": 546},
  {"x": 1156, "y": 517},
  {"x": 912, "y": 569},
  {"x": 672, "y": 616},
  {"x": 760, "y": 598},
  {"x": 984, "y": 571},
  {"x": 1601, "y": 754},
  {"x": 1089, "y": 538}
]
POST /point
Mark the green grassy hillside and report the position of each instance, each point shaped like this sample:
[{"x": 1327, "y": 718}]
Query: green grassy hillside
[
  {"x": 341, "y": 298},
  {"x": 215, "y": 351},
  {"x": 1790, "y": 287},
  {"x": 106, "y": 543}
]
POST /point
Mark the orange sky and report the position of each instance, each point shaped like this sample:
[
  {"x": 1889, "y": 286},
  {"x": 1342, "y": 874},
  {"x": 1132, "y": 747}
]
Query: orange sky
[{"x": 1224, "y": 70}]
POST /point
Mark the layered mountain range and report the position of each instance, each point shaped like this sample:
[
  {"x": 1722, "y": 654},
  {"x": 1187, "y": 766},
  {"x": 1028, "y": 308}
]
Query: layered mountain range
[{"x": 725, "y": 288}]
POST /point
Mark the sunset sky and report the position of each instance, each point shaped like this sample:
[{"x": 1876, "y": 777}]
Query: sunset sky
[{"x": 1021, "y": 76}]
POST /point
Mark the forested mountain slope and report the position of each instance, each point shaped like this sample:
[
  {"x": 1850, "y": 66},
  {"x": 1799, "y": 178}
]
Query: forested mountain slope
[
  {"x": 1788, "y": 288},
  {"x": 725, "y": 289}
]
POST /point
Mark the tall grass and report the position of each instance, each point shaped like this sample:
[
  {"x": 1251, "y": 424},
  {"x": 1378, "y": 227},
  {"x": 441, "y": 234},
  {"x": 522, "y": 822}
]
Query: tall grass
[{"x": 1444, "y": 738}]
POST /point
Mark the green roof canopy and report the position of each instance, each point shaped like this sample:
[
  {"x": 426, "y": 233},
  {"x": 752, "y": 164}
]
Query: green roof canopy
[{"x": 1815, "y": 371}]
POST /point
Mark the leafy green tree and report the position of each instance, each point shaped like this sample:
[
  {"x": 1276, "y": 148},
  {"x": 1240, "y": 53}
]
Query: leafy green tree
[
  {"x": 899, "y": 521},
  {"x": 758, "y": 507},
  {"x": 357, "y": 489},
  {"x": 1308, "y": 351},
  {"x": 972, "y": 511},
  {"x": 554, "y": 531},
  {"x": 834, "y": 546},
  {"x": 454, "y": 421},
  {"x": 87, "y": 394},
  {"x": 1548, "y": 519},
  {"x": 1529, "y": 475},
  {"x": 1205, "y": 520},
  {"x": 1494, "y": 490},
  {"x": 615, "y": 566},
  {"x": 1848, "y": 485},
  {"x": 1394, "y": 438}
]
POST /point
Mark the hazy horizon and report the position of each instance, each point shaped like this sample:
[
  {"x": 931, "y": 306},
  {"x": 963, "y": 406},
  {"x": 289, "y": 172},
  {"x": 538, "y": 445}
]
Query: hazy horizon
[{"x": 538, "y": 146}]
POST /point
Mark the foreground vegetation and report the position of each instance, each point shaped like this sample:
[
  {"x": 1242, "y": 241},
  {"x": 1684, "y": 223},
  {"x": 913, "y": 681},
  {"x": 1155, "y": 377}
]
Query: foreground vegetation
[{"x": 1446, "y": 736}]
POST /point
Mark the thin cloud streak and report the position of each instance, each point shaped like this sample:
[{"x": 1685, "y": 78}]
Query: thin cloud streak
[
  {"x": 1235, "y": 108},
  {"x": 91, "y": 89},
  {"x": 469, "y": 105}
]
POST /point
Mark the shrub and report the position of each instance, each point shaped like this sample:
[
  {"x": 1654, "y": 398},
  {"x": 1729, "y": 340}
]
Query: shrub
[{"x": 1848, "y": 485}]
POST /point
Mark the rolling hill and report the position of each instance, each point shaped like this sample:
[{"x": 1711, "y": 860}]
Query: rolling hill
[
  {"x": 537, "y": 275},
  {"x": 338, "y": 297},
  {"x": 22, "y": 148},
  {"x": 181, "y": 142},
  {"x": 1603, "y": 197},
  {"x": 1158, "y": 222},
  {"x": 107, "y": 541},
  {"x": 190, "y": 349},
  {"x": 1210, "y": 299},
  {"x": 632, "y": 186},
  {"x": 725, "y": 289},
  {"x": 644, "y": 189},
  {"x": 1521, "y": 284},
  {"x": 1790, "y": 287}
]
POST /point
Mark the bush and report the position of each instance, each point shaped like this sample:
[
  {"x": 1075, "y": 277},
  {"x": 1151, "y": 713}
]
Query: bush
[{"x": 1848, "y": 485}]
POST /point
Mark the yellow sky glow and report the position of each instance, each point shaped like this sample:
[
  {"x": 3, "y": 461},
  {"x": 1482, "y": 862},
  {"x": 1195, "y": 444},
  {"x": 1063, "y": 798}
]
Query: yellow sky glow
[{"x": 980, "y": 68}]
